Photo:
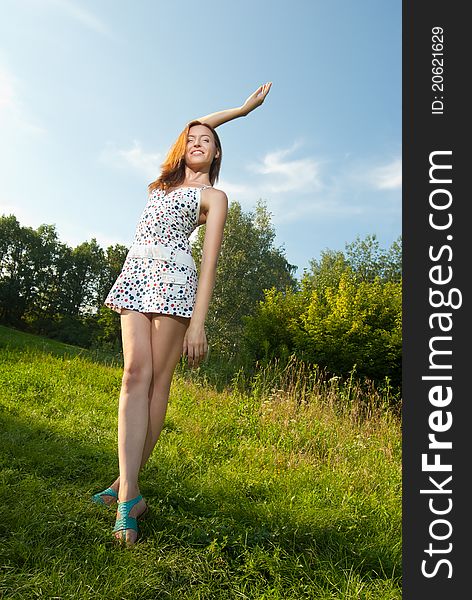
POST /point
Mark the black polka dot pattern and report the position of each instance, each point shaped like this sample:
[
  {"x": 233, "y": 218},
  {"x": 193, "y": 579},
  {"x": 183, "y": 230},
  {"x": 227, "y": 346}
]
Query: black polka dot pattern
[{"x": 156, "y": 285}]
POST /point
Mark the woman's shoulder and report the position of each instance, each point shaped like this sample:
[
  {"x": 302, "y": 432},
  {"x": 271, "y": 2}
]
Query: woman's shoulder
[
  {"x": 216, "y": 193},
  {"x": 214, "y": 199}
]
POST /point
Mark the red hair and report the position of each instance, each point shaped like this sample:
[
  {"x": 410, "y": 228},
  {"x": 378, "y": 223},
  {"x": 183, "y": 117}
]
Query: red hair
[{"x": 173, "y": 167}]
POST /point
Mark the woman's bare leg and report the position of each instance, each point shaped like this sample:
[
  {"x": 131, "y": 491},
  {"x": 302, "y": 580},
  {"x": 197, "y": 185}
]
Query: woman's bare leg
[
  {"x": 151, "y": 349},
  {"x": 133, "y": 412},
  {"x": 167, "y": 340},
  {"x": 116, "y": 484},
  {"x": 167, "y": 334}
]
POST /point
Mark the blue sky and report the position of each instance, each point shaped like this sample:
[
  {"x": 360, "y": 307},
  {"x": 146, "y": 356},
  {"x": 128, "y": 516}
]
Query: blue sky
[{"x": 92, "y": 95}]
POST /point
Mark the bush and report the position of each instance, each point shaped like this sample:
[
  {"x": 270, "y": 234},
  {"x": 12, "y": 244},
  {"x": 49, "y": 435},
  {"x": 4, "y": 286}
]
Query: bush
[{"x": 345, "y": 325}]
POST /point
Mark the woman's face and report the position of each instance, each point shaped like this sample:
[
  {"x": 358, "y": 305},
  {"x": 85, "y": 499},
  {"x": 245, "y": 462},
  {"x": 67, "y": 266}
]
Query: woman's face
[{"x": 201, "y": 147}]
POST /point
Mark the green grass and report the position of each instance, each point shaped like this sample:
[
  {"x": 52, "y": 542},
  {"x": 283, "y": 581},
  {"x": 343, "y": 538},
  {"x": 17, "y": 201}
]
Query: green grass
[{"x": 256, "y": 496}]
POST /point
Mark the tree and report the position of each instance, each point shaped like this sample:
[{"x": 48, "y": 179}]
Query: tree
[
  {"x": 10, "y": 249},
  {"x": 248, "y": 264},
  {"x": 347, "y": 313},
  {"x": 56, "y": 290},
  {"x": 107, "y": 334},
  {"x": 369, "y": 261},
  {"x": 325, "y": 272},
  {"x": 354, "y": 323},
  {"x": 268, "y": 332},
  {"x": 19, "y": 258}
]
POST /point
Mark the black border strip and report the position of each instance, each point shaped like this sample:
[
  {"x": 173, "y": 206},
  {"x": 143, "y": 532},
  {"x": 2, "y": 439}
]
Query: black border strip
[{"x": 436, "y": 391}]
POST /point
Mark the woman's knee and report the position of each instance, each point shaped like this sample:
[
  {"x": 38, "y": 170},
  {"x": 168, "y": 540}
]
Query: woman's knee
[
  {"x": 137, "y": 350},
  {"x": 136, "y": 375}
]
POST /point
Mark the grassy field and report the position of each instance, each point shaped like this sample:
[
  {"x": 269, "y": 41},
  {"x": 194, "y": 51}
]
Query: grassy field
[{"x": 269, "y": 494}]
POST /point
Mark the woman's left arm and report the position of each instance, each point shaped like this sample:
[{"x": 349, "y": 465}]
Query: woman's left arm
[
  {"x": 195, "y": 343},
  {"x": 223, "y": 116}
]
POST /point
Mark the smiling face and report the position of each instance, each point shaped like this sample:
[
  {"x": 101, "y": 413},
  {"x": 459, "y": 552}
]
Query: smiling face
[{"x": 201, "y": 148}]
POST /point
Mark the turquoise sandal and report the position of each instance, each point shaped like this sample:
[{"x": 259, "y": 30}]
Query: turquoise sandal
[
  {"x": 98, "y": 498},
  {"x": 125, "y": 522}
]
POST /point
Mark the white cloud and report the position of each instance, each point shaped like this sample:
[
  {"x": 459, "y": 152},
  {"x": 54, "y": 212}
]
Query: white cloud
[
  {"x": 310, "y": 186},
  {"x": 387, "y": 177},
  {"x": 237, "y": 191},
  {"x": 293, "y": 189},
  {"x": 285, "y": 175},
  {"x": 146, "y": 163}
]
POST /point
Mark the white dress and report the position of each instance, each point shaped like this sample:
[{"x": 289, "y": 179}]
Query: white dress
[{"x": 159, "y": 273}]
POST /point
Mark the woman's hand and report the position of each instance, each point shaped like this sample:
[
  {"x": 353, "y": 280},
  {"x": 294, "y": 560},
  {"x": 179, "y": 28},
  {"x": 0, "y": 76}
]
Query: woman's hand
[
  {"x": 195, "y": 344},
  {"x": 257, "y": 98}
]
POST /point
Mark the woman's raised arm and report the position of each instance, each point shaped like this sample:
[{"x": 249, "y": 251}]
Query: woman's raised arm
[{"x": 223, "y": 116}]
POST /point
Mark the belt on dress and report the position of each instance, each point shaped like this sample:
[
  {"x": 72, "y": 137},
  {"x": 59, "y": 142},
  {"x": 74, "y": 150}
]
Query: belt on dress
[{"x": 161, "y": 252}]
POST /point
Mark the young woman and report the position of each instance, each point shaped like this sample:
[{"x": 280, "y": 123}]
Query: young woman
[{"x": 162, "y": 305}]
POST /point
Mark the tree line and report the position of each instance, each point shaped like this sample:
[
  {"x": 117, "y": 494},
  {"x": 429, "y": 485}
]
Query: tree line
[{"x": 344, "y": 312}]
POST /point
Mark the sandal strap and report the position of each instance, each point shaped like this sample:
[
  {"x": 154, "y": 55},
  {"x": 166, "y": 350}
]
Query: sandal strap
[
  {"x": 125, "y": 521},
  {"x": 108, "y": 492},
  {"x": 127, "y": 505}
]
